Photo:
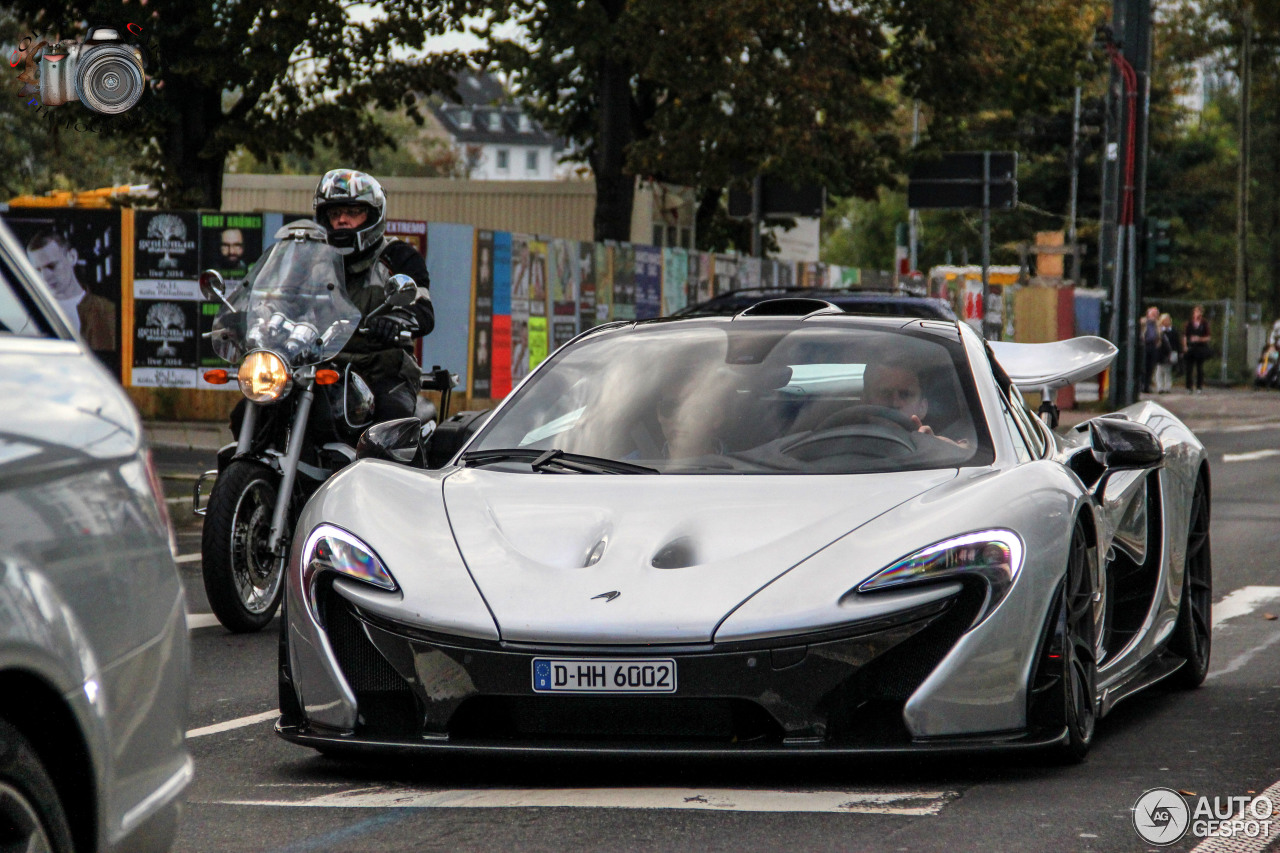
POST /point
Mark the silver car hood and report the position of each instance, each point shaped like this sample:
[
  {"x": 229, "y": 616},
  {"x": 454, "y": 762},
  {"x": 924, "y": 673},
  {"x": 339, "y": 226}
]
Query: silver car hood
[{"x": 572, "y": 558}]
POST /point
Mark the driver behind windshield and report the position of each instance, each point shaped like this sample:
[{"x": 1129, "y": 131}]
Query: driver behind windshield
[{"x": 897, "y": 387}]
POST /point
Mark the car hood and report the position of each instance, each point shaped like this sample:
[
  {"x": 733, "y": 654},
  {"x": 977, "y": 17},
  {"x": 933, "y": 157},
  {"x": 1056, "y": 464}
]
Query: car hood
[{"x": 648, "y": 559}]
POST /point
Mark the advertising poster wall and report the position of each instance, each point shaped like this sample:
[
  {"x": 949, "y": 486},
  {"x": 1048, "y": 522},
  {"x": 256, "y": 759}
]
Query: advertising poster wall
[
  {"x": 700, "y": 280},
  {"x": 566, "y": 276},
  {"x": 230, "y": 243},
  {"x": 500, "y": 377},
  {"x": 539, "y": 331},
  {"x": 604, "y": 282},
  {"x": 725, "y": 271},
  {"x": 78, "y": 253},
  {"x": 166, "y": 298},
  {"x": 624, "y": 282},
  {"x": 449, "y": 264}
]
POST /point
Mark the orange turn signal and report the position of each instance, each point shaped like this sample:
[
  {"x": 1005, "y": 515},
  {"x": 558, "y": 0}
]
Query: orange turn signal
[
  {"x": 216, "y": 377},
  {"x": 327, "y": 377}
]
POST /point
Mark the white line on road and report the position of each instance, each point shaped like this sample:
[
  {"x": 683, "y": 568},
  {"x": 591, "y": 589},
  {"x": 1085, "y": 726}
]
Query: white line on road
[
  {"x": 1242, "y": 601},
  {"x": 1250, "y": 456},
  {"x": 1238, "y": 662},
  {"x": 240, "y": 723},
  {"x": 201, "y": 620},
  {"x": 187, "y": 558},
  {"x": 907, "y": 803}
]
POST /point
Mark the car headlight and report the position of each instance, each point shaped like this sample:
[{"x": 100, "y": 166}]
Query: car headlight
[
  {"x": 993, "y": 555},
  {"x": 331, "y": 549},
  {"x": 264, "y": 377}
]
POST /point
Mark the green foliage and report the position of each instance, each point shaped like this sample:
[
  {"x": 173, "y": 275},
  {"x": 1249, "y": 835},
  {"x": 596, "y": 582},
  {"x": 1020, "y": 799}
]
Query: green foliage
[
  {"x": 300, "y": 73},
  {"x": 860, "y": 232}
]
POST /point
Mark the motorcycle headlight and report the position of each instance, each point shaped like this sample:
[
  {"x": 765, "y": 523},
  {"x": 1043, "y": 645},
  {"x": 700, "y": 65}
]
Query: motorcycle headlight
[
  {"x": 331, "y": 549},
  {"x": 264, "y": 377},
  {"x": 993, "y": 555}
]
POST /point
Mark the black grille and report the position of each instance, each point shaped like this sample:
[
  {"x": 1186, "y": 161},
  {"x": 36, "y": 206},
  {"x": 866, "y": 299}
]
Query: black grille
[
  {"x": 612, "y": 719},
  {"x": 384, "y": 700}
]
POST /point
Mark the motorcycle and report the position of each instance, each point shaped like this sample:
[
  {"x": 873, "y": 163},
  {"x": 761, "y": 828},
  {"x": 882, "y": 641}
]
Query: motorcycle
[{"x": 302, "y": 415}]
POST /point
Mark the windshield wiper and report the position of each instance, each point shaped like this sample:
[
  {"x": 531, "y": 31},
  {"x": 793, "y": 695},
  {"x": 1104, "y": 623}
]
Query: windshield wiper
[{"x": 555, "y": 461}]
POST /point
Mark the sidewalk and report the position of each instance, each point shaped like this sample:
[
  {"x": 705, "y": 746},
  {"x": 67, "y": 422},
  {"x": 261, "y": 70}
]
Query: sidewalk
[{"x": 1216, "y": 408}]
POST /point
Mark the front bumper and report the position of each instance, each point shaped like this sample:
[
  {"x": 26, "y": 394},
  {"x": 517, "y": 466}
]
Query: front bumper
[{"x": 841, "y": 691}]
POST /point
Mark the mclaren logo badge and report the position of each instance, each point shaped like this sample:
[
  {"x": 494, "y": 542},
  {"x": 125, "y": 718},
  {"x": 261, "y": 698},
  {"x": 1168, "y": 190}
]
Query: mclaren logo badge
[{"x": 607, "y": 596}]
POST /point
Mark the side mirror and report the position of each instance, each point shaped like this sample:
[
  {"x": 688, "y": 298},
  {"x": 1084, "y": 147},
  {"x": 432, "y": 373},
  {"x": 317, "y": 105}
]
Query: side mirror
[
  {"x": 213, "y": 288},
  {"x": 1122, "y": 445},
  {"x": 401, "y": 290},
  {"x": 398, "y": 441}
]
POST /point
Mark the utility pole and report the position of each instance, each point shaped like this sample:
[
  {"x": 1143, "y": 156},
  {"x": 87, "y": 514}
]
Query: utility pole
[
  {"x": 913, "y": 215},
  {"x": 1239, "y": 330},
  {"x": 1075, "y": 188}
]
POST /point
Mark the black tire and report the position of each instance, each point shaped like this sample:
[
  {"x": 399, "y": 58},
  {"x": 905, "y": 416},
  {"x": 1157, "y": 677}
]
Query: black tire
[
  {"x": 241, "y": 578},
  {"x": 1064, "y": 691},
  {"x": 1193, "y": 635},
  {"x": 31, "y": 815}
]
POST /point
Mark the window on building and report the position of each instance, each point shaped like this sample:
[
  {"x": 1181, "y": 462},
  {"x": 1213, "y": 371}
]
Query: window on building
[
  {"x": 495, "y": 121},
  {"x": 531, "y": 161},
  {"x": 657, "y": 235},
  {"x": 525, "y": 125},
  {"x": 503, "y": 159},
  {"x": 464, "y": 119}
]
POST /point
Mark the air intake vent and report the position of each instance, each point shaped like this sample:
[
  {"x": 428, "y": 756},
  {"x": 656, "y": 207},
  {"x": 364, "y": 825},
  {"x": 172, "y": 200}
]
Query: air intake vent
[{"x": 791, "y": 306}]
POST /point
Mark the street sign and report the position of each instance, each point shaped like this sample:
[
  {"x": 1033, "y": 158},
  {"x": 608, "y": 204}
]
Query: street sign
[
  {"x": 967, "y": 166},
  {"x": 963, "y": 179},
  {"x": 778, "y": 198},
  {"x": 922, "y": 195}
]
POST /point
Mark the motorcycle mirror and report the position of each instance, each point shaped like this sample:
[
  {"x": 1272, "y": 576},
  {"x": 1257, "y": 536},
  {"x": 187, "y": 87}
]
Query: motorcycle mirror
[
  {"x": 401, "y": 290},
  {"x": 399, "y": 441},
  {"x": 213, "y": 288}
]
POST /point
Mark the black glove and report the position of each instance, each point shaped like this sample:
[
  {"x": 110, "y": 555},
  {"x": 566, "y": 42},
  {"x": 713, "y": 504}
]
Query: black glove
[{"x": 387, "y": 328}]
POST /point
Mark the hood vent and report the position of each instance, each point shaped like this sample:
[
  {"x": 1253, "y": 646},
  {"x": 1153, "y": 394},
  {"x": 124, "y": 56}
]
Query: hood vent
[{"x": 676, "y": 554}]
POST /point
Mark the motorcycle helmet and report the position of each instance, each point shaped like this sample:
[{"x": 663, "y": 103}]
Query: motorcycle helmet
[{"x": 348, "y": 187}]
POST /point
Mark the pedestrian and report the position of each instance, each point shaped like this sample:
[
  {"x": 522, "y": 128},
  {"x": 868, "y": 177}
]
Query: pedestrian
[
  {"x": 1167, "y": 353},
  {"x": 1150, "y": 329},
  {"x": 1196, "y": 335}
]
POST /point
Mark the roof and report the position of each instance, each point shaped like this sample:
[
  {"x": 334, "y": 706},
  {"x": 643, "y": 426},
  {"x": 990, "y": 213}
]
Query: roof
[{"x": 483, "y": 96}]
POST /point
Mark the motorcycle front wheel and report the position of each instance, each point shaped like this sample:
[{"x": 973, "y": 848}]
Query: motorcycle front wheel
[{"x": 242, "y": 578}]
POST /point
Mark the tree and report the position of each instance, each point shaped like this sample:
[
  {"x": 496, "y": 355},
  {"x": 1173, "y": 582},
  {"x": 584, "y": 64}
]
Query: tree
[
  {"x": 702, "y": 95},
  {"x": 299, "y": 72}
]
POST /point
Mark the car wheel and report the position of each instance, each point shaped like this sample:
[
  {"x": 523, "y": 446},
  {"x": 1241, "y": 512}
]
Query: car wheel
[
  {"x": 1193, "y": 635},
  {"x": 31, "y": 816},
  {"x": 1064, "y": 693},
  {"x": 242, "y": 578}
]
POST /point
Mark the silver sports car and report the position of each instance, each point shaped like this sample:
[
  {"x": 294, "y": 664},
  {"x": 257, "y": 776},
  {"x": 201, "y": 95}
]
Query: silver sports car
[{"x": 792, "y": 530}]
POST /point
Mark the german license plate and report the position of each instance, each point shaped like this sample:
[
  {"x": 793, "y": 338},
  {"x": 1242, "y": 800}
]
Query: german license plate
[{"x": 604, "y": 675}]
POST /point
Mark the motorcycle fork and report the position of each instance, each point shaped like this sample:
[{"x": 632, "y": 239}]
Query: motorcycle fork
[
  {"x": 289, "y": 469},
  {"x": 244, "y": 442}
]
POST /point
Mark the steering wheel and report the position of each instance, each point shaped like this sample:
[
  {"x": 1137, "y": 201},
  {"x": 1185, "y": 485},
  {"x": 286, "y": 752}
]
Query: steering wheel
[
  {"x": 874, "y": 440},
  {"x": 867, "y": 414}
]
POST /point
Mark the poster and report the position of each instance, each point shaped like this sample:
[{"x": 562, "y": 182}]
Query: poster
[
  {"x": 700, "y": 281},
  {"x": 587, "y": 285},
  {"x": 604, "y": 282},
  {"x": 624, "y": 282},
  {"x": 500, "y": 374},
  {"x": 481, "y": 363},
  {"x": 566, "y": 274},
  {"x": 725, "y": 270},
  {"x": 521, "y": 279},
  {"x": 675, "y": 280},
  {"x": 648, "y": 282},
  {"x": 749, "y": 272},
  {"x": 411, "y": 231},
  {"x": 78, "y": 254},
  {"x": 537, "y": 341},
  {"x": 164, "y": 342},
  {"x": 230, "y": 243}
]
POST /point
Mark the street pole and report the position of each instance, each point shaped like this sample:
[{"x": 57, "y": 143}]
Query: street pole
[
  {"x": 1075, "y": 187},
  {"x": 1239, "y": 332},
  {"x": 756, "y": 206},
  {"x": 986, "y": 235},
  {"x": 913, "y": 215}
]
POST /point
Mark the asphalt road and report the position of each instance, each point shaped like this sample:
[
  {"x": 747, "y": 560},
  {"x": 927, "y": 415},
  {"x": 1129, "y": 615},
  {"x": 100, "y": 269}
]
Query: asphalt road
[{"x": 255, "y": 792}]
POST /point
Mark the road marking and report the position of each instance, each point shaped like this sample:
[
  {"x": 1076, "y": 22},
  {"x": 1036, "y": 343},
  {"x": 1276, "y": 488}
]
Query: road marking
[
  {"x": 1251, "y": 456},
  {"x": 187, "y": 558},
  {"x": 201, "y": 620},
  {"x": 1243, "y": 601},
  {"x": 1238, "y": 662},
  {"x": 240, "y": 723},
  {"x": 906, "y": 803},
  {"x": 1240, "y": 842},
  {"x": 178, "y": 500},
  {"x": 1241, "y": 427}
]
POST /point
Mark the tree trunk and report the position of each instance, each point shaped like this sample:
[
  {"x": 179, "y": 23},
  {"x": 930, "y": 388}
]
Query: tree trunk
[
  {"x": 195, "y": 159},
  {"x": 615, "y": 188}
]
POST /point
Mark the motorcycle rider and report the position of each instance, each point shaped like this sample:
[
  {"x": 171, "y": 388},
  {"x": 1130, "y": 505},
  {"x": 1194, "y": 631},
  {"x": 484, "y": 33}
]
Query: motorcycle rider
[{"x": 351, "y": 206}]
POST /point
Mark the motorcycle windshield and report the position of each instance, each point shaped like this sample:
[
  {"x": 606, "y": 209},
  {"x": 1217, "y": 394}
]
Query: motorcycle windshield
[{"x": 297, "y": 307}]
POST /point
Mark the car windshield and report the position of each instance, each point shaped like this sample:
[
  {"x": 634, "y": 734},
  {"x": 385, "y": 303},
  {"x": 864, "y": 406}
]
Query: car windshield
[{"x": 760, "y": 396}]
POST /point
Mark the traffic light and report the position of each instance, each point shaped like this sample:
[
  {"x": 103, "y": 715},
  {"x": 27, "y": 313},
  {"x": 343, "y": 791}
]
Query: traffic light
[{"x": 1159, "y": 243}]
